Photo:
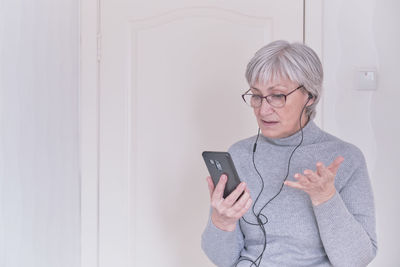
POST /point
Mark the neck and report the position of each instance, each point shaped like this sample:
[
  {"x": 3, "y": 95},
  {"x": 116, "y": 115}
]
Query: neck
[{"x": 310, "y": 130}]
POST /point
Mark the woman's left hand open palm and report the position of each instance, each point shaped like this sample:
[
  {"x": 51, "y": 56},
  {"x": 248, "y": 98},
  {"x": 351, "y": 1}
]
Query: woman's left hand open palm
[{"x": 319, "y": 184}]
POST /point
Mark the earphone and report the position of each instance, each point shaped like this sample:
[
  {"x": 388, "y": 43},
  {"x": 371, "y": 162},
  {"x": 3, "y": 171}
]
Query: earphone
[{"x": 259, "y": 215}]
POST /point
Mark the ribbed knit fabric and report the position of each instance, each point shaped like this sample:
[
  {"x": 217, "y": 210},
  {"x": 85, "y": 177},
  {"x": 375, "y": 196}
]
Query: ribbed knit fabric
[{"x": 339, "y": 232}]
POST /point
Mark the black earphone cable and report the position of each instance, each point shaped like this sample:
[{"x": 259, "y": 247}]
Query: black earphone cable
[{"x": 259, "y": 216}]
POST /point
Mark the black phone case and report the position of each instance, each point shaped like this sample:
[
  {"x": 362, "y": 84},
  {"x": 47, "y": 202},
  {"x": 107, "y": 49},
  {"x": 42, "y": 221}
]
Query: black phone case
[{"x": 219, "y": 163}]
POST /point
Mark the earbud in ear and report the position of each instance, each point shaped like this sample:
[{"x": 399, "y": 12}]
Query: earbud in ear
[{"x": 310, "y": 96}]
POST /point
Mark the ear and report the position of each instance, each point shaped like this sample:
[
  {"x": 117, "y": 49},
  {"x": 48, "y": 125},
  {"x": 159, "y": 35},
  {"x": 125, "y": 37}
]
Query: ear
[{"x": 310, "y": 100}]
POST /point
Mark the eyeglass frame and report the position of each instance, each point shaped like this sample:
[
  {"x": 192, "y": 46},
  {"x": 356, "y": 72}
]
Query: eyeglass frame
[{"x": 267, "y": 96}]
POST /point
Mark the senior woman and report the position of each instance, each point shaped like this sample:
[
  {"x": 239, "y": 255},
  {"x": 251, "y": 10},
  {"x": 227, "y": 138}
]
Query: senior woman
[{"x": 307, "y": 198}]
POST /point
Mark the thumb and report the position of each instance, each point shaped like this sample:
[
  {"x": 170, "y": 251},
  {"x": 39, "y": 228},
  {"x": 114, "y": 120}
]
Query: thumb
[{"x": 335, "y": 164}]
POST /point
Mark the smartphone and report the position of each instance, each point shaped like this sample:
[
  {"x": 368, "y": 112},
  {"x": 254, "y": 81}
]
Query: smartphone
[{"x": 219, "y": 163}]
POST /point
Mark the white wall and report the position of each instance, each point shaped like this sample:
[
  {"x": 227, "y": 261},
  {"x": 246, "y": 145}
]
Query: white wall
[
  {"x": 39, "y": 178},
  {"x": 358, "y": 34}
]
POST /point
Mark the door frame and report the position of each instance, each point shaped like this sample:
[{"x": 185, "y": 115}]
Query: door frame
[{"x": 89, "y": 115}]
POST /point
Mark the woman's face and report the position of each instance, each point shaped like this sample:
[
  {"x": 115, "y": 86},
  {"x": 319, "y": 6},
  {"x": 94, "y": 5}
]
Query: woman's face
[{"x": 284, "y": 121}]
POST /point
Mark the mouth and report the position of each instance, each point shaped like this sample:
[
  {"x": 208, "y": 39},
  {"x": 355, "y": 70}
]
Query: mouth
[{"x": 269, "y": 122}]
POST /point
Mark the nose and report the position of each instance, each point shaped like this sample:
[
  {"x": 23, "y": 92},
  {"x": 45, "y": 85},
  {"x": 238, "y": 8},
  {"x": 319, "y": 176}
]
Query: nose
[{"x": 265, "y": 108}]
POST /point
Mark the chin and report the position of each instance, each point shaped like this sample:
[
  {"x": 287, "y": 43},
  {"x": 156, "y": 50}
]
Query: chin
[
  {"x": 271, "y": 134},
  {"x": 271, "y": 131}
]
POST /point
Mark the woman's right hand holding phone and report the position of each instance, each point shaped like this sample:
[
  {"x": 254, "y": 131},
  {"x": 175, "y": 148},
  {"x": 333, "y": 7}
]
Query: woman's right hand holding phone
[{"x": 226, "y": 212}]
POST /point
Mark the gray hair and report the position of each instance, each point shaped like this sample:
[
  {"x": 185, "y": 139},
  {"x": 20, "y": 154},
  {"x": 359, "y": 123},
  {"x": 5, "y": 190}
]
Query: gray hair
[{"x": 282, "y": 60}]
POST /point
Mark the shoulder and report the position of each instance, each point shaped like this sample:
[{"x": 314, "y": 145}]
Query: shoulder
[
  {"x": 340, "y": 147},
  {"x": 243, "y": 146},
  {"x": 353, "y": 169},
  {"x": 242, "y": 150}
]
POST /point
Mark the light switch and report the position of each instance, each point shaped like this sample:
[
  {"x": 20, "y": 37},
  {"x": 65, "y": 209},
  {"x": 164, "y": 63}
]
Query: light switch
[{"x": 366, "y": 79}]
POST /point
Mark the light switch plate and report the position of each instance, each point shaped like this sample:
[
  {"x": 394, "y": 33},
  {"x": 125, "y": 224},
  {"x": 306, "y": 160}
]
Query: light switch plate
[{"x": 366, "y": 79}]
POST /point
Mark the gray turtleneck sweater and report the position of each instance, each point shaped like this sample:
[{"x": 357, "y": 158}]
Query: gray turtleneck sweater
[{"x": 339, "y": 232}]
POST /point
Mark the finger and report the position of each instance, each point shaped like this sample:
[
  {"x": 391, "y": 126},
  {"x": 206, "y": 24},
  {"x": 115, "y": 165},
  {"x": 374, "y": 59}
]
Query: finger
[
  {"x": 312, "y": 176},
  {"x": 322, "y": 170},
  {"x": 210, "y": 185},
  {"x": 303, "y": 180},
  {"x": 335, "y": 165},
  {"x": 235, "y": 194},
  {"x": 293, "y": 184},
  {"x": 245, "y": 208},
  {"x": 241, "y": 202},
  {"x": 219, "y": 189},
  {"x": 238, "y": 212}
]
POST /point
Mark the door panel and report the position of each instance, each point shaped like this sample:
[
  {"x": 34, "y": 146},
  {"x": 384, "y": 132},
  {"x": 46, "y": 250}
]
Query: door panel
[{"x": 171, "y": 79}]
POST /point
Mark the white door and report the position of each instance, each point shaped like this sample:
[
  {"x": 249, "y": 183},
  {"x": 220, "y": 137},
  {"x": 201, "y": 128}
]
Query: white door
[{"x": 171, "y": 75}]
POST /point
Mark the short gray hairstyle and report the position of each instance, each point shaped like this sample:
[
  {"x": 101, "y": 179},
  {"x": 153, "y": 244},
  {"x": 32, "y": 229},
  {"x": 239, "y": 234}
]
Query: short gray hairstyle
[{"x": 294, "y": 61}]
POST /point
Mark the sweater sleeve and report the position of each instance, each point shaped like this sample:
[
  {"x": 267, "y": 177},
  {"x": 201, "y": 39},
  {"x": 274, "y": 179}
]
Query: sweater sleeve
[
  {"x": 222, "y": 248},
  {"x": 346, "y": 222}
]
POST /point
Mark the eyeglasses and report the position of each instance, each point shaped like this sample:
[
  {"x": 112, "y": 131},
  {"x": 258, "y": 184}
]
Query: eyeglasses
[{"x": 275, "y": 100}]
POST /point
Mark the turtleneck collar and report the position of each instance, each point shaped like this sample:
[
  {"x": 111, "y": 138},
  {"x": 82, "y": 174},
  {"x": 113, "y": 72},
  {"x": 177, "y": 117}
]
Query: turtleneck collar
[{"x": 311, "y": 134}]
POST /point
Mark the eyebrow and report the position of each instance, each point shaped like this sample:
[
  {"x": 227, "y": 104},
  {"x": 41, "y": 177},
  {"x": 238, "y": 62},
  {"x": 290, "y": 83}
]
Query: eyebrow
[{"x": 269, "y": 88}]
